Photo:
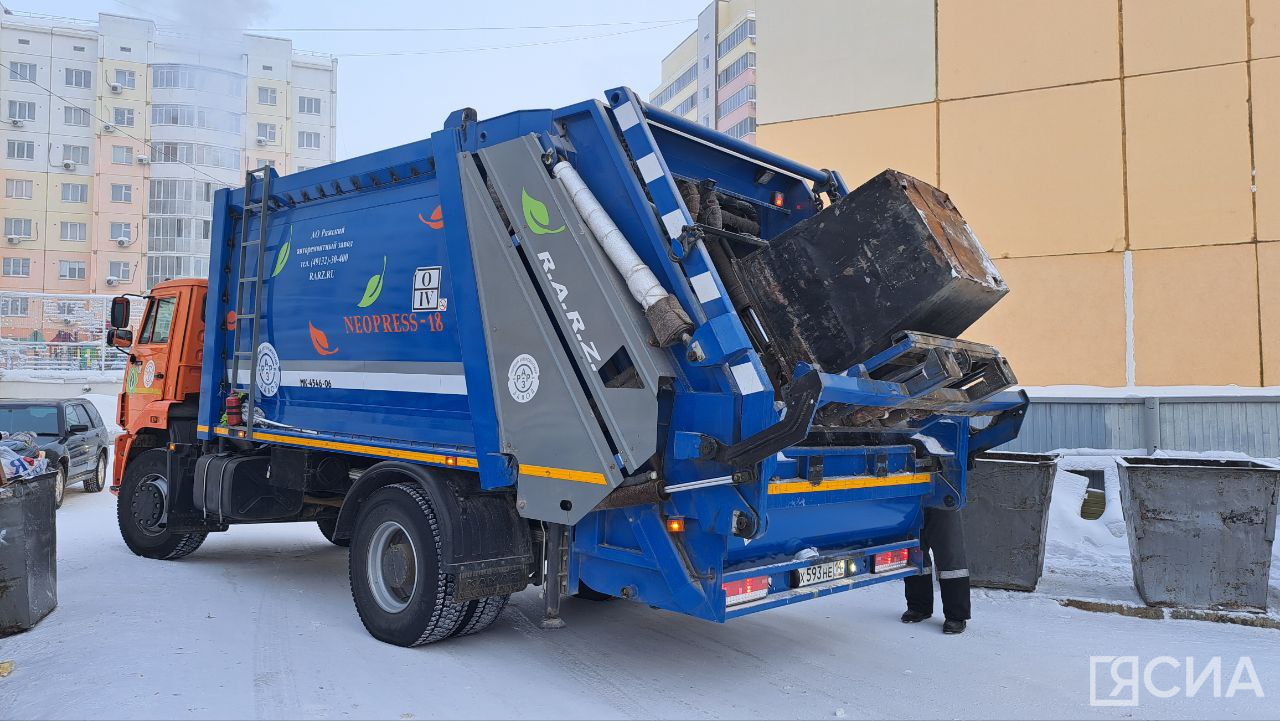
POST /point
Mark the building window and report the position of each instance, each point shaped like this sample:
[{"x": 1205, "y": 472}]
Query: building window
[
  {"x": 736, "y": 68},
  {"x": 706, "y": 62},
  {"x": 22, "y": 71},
  {"x": 266, "y": 96},
  {"x": 17, "y": 227},
  {"x": 20, "y": 150},
  {"x": 267, "y": 132},
  {"x": 17, "y": 267},
  {"x": 686, "y": 105},
  {"x": 197, "y": 154},
  {"x": 308, "y": 106},
  {"x": 71, "y": 270},
  {"x": 266, "y": 163},
  {"x": 78, "y": 48},
  {"x": 74, "y": 231},
  {"x": 22, "y": 110},
  {"x": 308, "y": 139},
  {"x": 78, "y": 154},
  {"x": 737, "y": 100},
  {"x": 23, "y": 41},
  {"x": 121, "y": 155},
  {"x": 747, "y": 29},
  {"x": 121, "y": 193},
  {"x": 121, "y": 269},
  {"x": 166, "y": 267},
  {"x": 121, "y": 231},
  {"x": 266, "y": 67},
  {"x": 746, "y": 126},
  {"x": 123, "y": 117},
  {"x": 126, "y": 49},
  {"x": 79, "y": 78},
  {"x": 126, "y": 78},
  {"x": 14, "y": 307},
  {"x": 71, "y": 115},
  {"x": 191, "y": 77},
  {"x": 18, "y": 189},
  {"x": 682, "y": 81},
  {"x": 75, "y": 192}
]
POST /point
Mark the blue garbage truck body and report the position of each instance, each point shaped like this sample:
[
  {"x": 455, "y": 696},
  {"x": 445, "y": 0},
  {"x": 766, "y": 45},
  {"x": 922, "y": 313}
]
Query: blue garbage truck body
[{"x": 511, "y": 354}]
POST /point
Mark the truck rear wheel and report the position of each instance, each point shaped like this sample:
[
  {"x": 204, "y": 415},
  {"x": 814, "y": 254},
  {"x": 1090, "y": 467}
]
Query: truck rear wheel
[
  {"x": 481, "y": 614},
  {"x": 143, "y": 493},
  {"x": 400, "y": 591}
]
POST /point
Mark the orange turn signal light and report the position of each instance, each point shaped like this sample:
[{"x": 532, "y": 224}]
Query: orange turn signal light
[{"x": 675, "y": 525}]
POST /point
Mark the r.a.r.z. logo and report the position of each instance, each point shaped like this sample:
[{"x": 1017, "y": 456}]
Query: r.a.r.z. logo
[{"x": 576, "y": 325}]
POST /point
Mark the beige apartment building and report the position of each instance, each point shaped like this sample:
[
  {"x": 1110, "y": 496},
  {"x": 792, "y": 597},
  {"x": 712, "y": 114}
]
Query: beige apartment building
[{"x": 1120, "y": 160}]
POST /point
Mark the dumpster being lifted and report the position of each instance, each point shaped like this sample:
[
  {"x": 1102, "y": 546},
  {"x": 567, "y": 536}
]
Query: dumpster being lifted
[{"x": 599, "y": 349}]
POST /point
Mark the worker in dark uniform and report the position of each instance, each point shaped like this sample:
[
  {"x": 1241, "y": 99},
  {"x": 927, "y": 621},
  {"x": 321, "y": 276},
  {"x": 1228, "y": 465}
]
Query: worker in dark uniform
[{"x": 943, "y": 535}]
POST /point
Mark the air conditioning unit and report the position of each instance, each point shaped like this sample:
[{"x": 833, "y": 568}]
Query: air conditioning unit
[
  {"x": 108, "y": 128},
  {"x": 14, "y": 239},
  {"x": 68, "y": 165},
  {"x": 262, "y": 140},
  {"x": 17, "y": 123},
  {"x": 112, "y": 280},
  {"x": 116, "y": 87},
  {"x": 66, "y": 320},
  {"x": 143, "y": 160},
  {"x": 123, "y": 241}
]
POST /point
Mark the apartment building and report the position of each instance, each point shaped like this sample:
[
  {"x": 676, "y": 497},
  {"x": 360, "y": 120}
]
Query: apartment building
[
  {"x": 710, "y": 77},
  {"x": 116, "y": 134},
  {"x": 1119, "y": 159}
]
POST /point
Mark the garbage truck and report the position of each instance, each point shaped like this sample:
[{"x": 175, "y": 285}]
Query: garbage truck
[{"x": 598, "y": 349}]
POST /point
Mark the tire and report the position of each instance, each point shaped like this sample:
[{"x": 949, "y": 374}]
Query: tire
[
  {"x": 142, "y": 476},
  {"x": 395, "y": 569},
  {"x": 99, "y": 479},
  {"x": 60, "y": 486},
  {"x": 480, "y": 614},
  {"x": 327, "y": 527}
]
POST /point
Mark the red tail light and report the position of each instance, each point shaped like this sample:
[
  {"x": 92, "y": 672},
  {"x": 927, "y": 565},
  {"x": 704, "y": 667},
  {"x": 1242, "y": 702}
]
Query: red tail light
[
  {"x": 891, "y": 560},
  {"x": 747, "y": 589}
]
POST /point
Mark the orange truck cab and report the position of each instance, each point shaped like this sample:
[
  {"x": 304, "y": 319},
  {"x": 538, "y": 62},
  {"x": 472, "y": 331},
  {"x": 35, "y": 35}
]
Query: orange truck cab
[{"x": 157, "y": 405}]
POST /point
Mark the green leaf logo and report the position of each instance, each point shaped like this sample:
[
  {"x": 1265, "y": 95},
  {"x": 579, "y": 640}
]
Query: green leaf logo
[
  {"x": 374, "y": 288},
  {"x": 282, "y": 255},
  {"x": 535, "y": 214}
]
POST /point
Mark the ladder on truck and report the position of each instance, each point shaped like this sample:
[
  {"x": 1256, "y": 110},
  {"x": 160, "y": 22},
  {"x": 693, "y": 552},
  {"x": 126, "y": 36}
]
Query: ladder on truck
[{"x": 248, "y": 304}]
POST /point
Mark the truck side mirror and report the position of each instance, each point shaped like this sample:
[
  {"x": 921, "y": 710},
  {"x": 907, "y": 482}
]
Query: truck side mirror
[
  {"x": 120, "y": 337},
  {"x": 120, "y": 312}
]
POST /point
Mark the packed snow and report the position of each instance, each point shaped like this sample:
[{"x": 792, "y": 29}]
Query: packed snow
[{"x": 259, "y": 623}]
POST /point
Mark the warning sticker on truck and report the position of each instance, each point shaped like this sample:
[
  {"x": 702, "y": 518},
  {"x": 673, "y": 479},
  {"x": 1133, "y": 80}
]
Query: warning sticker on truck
[{"x": 426, "y": 289}]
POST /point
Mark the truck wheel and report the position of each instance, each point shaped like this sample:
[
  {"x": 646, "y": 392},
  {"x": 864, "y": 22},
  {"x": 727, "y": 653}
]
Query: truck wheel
[
  {"x": 397, "y": 583},
  {"x": 99, "y": 479},
  {"x": 481, "y": 614},
  {"x": 327, "y": 527},
  {"x": 142, "y": 496}
]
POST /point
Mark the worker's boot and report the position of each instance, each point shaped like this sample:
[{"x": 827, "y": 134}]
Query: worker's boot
[
  {"x": 910, "y": 616},
  {"x": 953, "y": 626}
]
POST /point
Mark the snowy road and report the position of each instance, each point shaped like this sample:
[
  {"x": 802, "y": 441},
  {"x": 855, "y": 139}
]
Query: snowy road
[{"x": 259, "y": 623}]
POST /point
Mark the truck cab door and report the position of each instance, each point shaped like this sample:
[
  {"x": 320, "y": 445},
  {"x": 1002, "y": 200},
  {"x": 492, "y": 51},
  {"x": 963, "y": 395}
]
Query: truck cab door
[{"x": 150, "y": 357}]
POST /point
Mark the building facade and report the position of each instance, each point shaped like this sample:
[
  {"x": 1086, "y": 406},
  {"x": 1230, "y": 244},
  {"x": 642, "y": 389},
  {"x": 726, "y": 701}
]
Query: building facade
[
  {"x": 116, "y": 135},
  {"x": 1119, "y": 160},
  {"x": 710, "y": 77}
]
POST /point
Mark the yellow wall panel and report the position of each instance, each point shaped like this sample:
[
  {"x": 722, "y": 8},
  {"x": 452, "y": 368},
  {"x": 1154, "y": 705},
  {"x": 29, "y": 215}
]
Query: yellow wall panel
[
  {"x": 1062, "y": 321},
  {"x": 1188, "y": 153},
  {"x": 994, "y": 46},
  {"x": 1266, "y": 145},
  {"x": 1040, "y": 172},
  {"x": 860, "y": 145},
  {"x": 1265, "y": 27},
  {"x": 1269, "y": 302},
  {"x": 1196, "y": 316},
  {"x": 1162, "y": 35}
]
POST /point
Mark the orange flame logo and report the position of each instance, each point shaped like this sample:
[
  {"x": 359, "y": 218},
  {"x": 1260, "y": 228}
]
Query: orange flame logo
[
  {"x": 320, "y": 342},
  {"x": 437, "y": 219}
]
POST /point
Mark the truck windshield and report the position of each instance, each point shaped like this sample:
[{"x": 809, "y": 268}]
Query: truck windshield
[{"x": 41, "y": 420}]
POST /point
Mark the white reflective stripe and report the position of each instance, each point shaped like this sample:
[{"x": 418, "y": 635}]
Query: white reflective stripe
[
  {"x": 674, "y": 222},
  {"x": 626, "y": 115},
  {"x": 444, "y": 384},
  {"x": 958, "y": 573},
  {"x": 747, "y": 378},
  {"x": 705, "y": 286},
  {"x": 650, "y": 168}
]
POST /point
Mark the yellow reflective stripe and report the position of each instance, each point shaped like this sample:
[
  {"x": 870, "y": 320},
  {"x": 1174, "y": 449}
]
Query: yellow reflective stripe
[
  {"x": 845, "y": 484},
  {"x": 458, "y": 461},
  {"x": 564, "y": 474},
  {"x": 202, "y": 429}
]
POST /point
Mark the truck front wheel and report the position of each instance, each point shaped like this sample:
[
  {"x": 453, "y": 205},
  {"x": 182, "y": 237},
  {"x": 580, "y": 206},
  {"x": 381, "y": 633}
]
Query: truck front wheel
[
  {"x": 140, "y": 507},
  {"x": 401, "y": 593}
]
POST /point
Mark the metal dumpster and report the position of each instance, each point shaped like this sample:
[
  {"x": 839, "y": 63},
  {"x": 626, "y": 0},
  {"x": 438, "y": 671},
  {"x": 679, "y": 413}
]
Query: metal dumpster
[
  {"x": 1200, "y": 530},
  {"x": 28, "y": 568},
  {"x": 1005, "y": 518}
]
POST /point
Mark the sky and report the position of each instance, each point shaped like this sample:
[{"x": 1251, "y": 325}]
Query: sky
[{"x": 386, "y": 100}]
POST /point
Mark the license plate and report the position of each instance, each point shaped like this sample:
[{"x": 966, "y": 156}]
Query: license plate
[{"x": 820, "y": 573}]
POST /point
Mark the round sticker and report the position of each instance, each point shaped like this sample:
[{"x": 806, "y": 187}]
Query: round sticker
[
  {"x": 268, "y": 370},
  {"x": 149, "y": 374},
  {"x": 522, "y": 378}
]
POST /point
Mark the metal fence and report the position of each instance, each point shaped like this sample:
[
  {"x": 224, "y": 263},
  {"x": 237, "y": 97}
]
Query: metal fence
[
  {"x": 51, "y": 335},
  {"x": 1246, "y": 423}
]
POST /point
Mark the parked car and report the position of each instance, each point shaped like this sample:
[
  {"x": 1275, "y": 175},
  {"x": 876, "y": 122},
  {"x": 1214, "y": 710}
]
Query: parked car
[{"x": 70, "y": 432}]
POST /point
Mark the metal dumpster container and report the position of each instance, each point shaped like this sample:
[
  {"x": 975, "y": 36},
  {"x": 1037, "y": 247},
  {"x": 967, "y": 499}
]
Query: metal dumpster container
[
  {"x": 1006, "y": 514},
  {"x": 28, "y": 568},
  {"x": 1200, "y": 530}
]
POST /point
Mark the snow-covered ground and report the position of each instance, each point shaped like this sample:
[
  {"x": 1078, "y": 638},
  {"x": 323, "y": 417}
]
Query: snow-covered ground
[{"x": 259, "y": 623}]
